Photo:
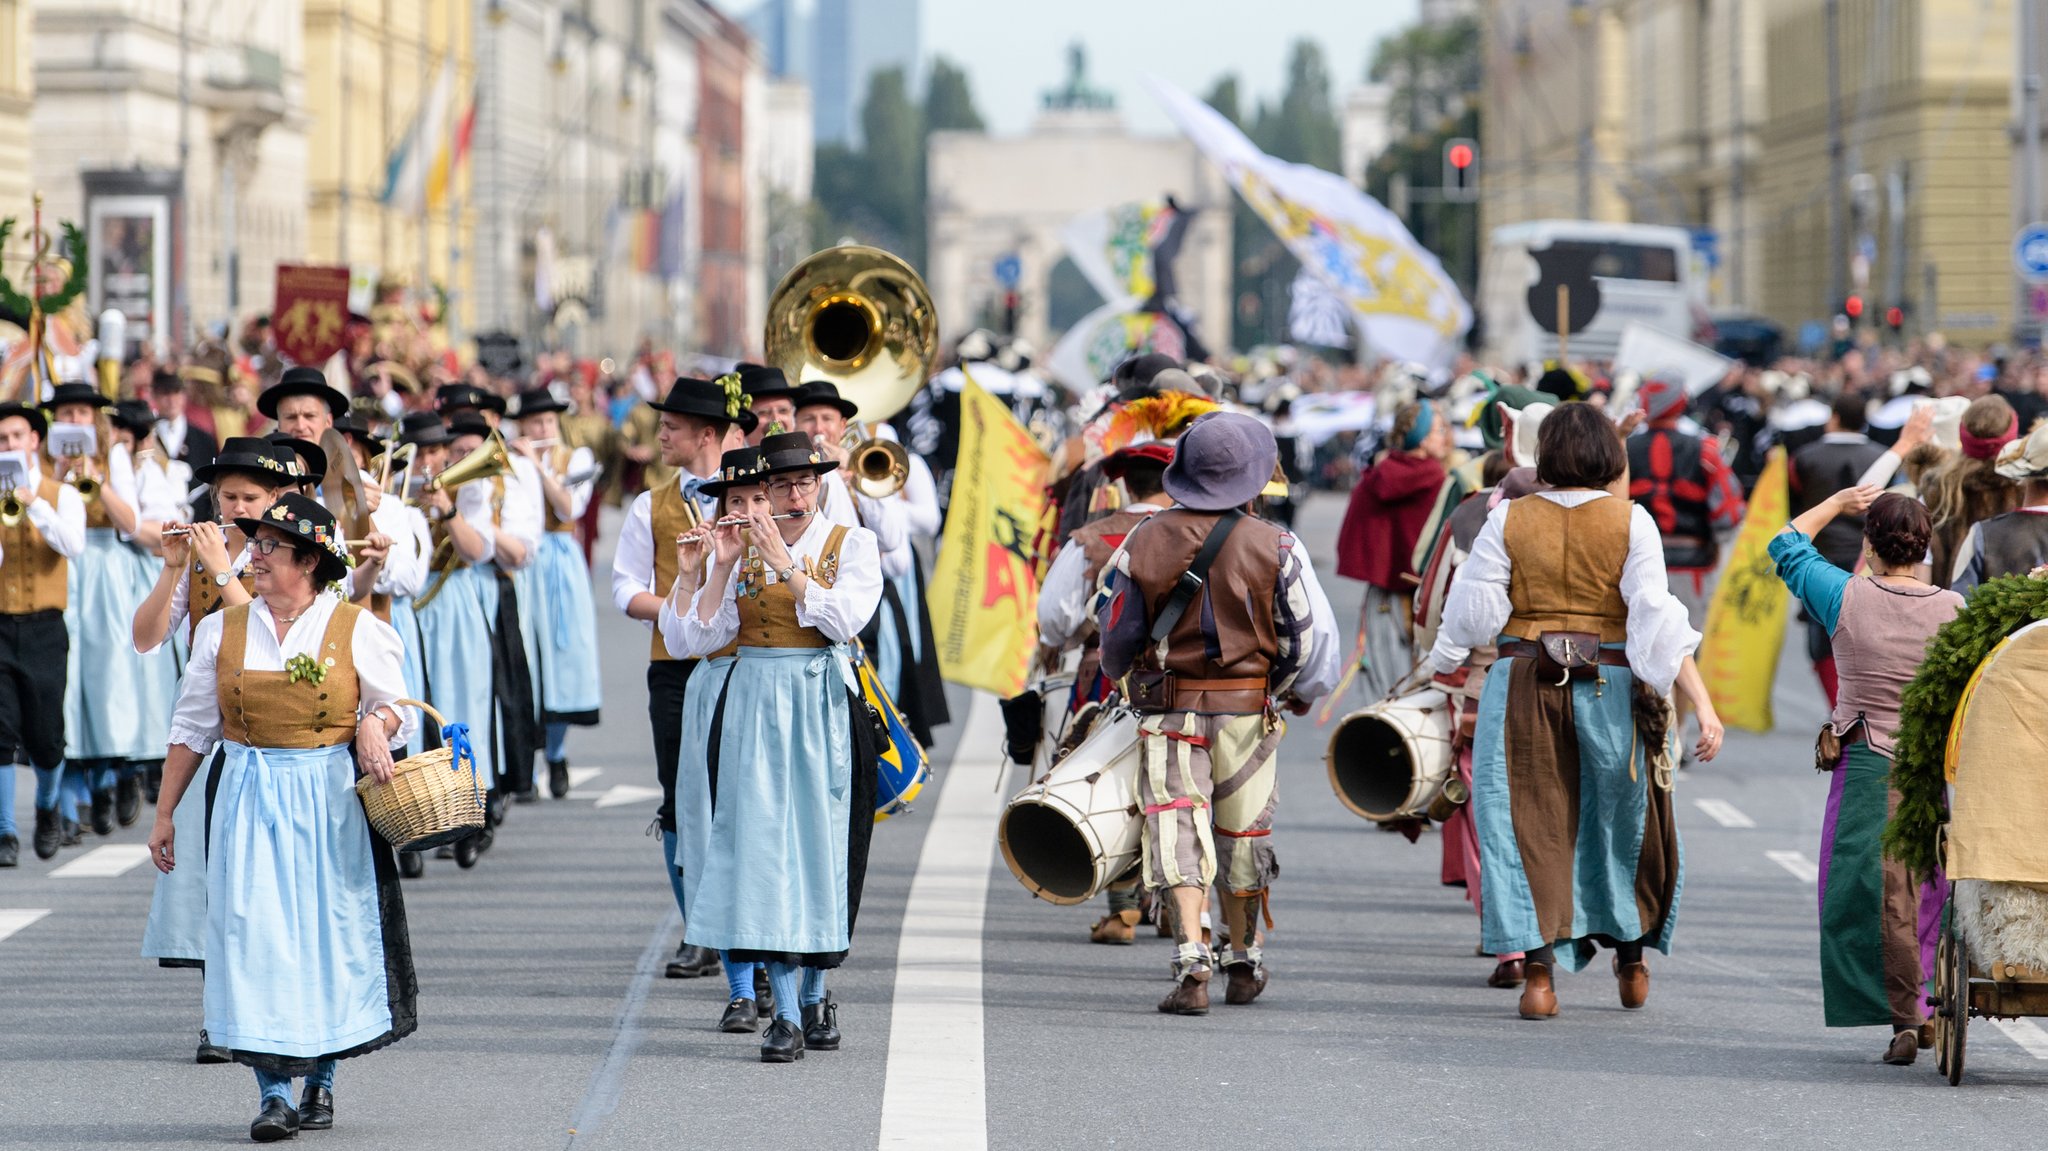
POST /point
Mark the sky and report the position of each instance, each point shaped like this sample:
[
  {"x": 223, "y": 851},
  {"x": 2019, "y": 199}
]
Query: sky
[{"x": 1014, "y": 51}]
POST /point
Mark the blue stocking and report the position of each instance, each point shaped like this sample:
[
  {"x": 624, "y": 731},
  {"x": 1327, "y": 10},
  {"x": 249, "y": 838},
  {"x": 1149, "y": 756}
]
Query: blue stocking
[
  {"x": 558, "y": 741},
  {"x": 787, "y": 980},
  {"x": 814, "y": 986},
  {"x": 739, "y": 977},
  {"x": 7, "y": 799},
  {"x": 273, "y": 1086}
]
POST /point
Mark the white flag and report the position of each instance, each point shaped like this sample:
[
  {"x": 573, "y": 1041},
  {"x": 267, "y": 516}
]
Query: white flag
[
  {"x": 1405, "y": 303},
  {"x": 1315, "y": 314},
  {"x": 1646, "y": 351}
]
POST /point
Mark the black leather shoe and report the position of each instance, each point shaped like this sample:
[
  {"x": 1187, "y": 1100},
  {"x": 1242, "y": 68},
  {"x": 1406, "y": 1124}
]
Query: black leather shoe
[
  {"x": 316, "y": 1108},
  {"x": 821, "y": 1026},
  {"x": 49, "y": 833},
  {"x": 558, "y": 778},
  {"x": 494, "y": 808},
  {"x": 782, "y": 1043},
  {"x": 530, "y": 795},
  {"x": 692, "y": 961},
  {"x": 73, "y": 834},
  {"x": 411, "y": 864},
  {"x": 276, "y": 1122},
  {"x": 208, "y": 1053},
  {"x": 128, "y": 800},
  {"x": 764, "y": 992},
  {"x": 103, "y": 812},
  {"x": 740, "y": 1018},
  {"x": 467, "y": 849},
  {"x": 10, "y": 851},
  {"x": 445, "y": 851}
]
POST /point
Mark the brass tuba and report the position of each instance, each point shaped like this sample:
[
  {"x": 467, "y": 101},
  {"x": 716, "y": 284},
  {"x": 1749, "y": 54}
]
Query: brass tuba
[
  {"x": 488, "y": 459},
  {"x": 859, "y": 317}
]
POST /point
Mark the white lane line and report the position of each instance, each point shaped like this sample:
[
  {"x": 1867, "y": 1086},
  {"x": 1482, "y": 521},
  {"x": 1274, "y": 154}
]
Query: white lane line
[
  {"x": 1724, "y": 813},
  {"x": 578, "y": 776},
  {"x": 625, "y": 793},
  {"x": 13, "y": 919},
  {"x": 1802, "y": 868},
  {"x": 2027, "y": 1033},
  {"x": 105, "y": 862},
  {"x": 936, "y": 1090}
]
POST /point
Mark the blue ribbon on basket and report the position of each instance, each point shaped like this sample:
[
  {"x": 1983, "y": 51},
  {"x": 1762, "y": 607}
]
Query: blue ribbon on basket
[{"x": 455, "y": 736}]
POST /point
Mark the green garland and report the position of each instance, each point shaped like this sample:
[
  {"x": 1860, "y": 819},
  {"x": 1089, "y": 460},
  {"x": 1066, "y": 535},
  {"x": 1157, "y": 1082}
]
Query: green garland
[
  {"x": 15, "y": 306},
  {"x": 1995, "y": 610}
]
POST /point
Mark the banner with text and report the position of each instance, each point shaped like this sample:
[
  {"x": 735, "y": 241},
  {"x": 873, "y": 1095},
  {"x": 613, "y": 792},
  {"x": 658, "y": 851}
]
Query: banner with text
[{"x": 1746, "y": 620}]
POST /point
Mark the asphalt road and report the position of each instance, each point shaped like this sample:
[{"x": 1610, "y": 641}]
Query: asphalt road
[{"x": 545, "y": 1022}]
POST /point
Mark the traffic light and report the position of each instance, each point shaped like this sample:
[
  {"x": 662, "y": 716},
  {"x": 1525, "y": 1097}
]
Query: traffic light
[
  {"x": 1461, "y": 169},
  {"x": 1895, "y": 317},
  {"x": 1853, "y": 308}
]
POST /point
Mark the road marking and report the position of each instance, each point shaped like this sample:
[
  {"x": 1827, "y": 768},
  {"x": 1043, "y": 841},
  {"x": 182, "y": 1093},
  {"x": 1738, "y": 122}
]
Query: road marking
[
  {"x": 1802, "y": 868},
  {"x": 935, "y": 1093},
  {"x": 578, "y": 776},
  {"x": 601, "y": 1098},
  {"x": 2027, "y": 1034},
  {"x": 627, "y": 793},
  {"x": 1724, "y": 813},
  {"x": 13, "y": 919},
  {"x": 105, "y": 862}
]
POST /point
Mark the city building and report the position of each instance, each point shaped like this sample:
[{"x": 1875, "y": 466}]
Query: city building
[
  {"x": 851, "y": 40},
  {"x": 783, "y": 31},
  {"x": 1366, "y": 127},
  {"x": 109, "y": 145},
  {"x": 17, "y": 96}
]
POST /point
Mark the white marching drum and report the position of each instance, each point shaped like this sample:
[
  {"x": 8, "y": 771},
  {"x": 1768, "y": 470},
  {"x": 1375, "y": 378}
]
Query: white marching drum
[
  {"x": 1055, "y": 691},
  {"x": 1077, "y": 829},
  {"x": 1388, "y": 760}
]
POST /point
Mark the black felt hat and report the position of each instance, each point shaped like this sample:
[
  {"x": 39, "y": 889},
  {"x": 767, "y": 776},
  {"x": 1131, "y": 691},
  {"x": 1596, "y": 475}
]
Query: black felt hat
[
  {"x": 424, "y": 429},
  {"x": 469, "y": 425},
  {"x": 736, "y": 469},
  {"x": 536, "y": 401},
  {"x": 825, "y": 393},
  {"x": 251, "y": 456},
  {"x": 787, "y": 452},
  {"x": 761, "y": 382},
  {"x": 75, "y": 393},
  {"x": 454, "y": 397},
  {"x": 35, "y": 417},
  {"x": 311, "y": 528},
  {"x": 311, "y": 460},
  {"x": 135, "y": 417},
  {"x": 722, "y": 400},
  {"x": 302, "y": 381}
]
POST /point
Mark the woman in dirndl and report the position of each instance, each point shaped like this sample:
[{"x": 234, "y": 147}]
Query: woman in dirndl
[
  {"x": 1571, "y": 787},
  {"x": 1877, "y": 926},
  {"x": 563, "y": 613},
  {"x": 307, "y": 959},
  {"x": 790, "y": 778}
]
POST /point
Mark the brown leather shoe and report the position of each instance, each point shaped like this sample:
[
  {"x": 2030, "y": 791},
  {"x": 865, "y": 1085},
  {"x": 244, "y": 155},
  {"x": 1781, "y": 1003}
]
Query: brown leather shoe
[
  {"x": 1904, "y": 1049},
  {"x": 1927, "y": 1036},
  {"x": 1116, "y": 927},
  {"x": 1506, "y": 973},
  {"x": 1246, "y": 981},
  {"x": 1190, "y": 996},
  {"x": 1539, "y": 998},
  {"x": 1633, "y": 980}
]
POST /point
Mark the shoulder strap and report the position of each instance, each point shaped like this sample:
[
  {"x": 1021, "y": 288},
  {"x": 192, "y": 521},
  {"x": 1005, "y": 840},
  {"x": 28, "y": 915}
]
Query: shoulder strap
[
  {"x": 1193, "y": 580},
  {"x": 827, "y": 567}
]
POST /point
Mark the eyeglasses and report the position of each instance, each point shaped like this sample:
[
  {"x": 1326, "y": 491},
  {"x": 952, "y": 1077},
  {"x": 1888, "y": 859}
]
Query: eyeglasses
[
  {"x": 785, "y": 488},
  {"x": 267, "y": 544}
]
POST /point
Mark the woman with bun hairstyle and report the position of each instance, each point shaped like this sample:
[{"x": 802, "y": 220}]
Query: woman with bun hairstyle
[{"x": 1876, "y": 924}]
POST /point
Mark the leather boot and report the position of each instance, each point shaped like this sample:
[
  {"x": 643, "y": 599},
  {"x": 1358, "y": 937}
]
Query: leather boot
[
  {"x": 821, "y": 1026},
  {"x": 73, "y": 833},
  {"x": 783, "y": 1043},
  {"x": 691, "y": 962},
  {"x": 1633, "y": 981},
  {"x": 209, "y": 1052},
  {"x": 275, "y": 1122},
  {"x": 128, "y": 799},
  {"x": 1116, "y": 927},
  {"x": 49, "y": 833},
  {"x": 740, "y": 1018},
  {"x": 411, "y": 865},
  {"x": 764, "y": 991},
  {"x": 1904, "y": 1049},
  {"x": 10, "y": 851},
  {"x": 1539, "y": 998},
  {"x": 1190, "y": 996},
  {"x": 316, "y": 1108},
  {"x": 1247, "y": 980},
  {"x": 558, "y": 778},
  {"x": 467, "y": 849},
  {"x": 1506, "y": 973},
  {"x": 103, "y": 811}
]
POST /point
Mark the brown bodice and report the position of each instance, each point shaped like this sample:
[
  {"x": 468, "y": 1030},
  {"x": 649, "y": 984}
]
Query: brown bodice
[
  {"x": 1229, "y": 631},
  {"x": 768, "y": 610},
  {"x": 1566, "y": 567},
  {"x": 668, "y": 515},
  {"x": 32, "y": 575},
  {"x": 203, "y": 597},
  {"x": 266, "y": 709}
]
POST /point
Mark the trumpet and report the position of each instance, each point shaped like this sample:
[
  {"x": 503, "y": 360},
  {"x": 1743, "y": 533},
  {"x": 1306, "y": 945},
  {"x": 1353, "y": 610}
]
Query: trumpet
[
  {"x": 12, "y": 510},
  {"x": 87, "y": 487},
  {"x": 877, "y": 468}
]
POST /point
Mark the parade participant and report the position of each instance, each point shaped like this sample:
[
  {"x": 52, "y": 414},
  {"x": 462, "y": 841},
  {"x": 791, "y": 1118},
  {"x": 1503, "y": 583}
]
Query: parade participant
[
  {"x": 307, "y": 957},
  {"x": 192, "y": 446},
  {"x": 429, "y": 440},
  {"x": 1820, "y": 469},
  {"x": 1384, "y": 519},
  {"x": 1966, "y": 489},
  {"x": 306, "y": 408},
  {"x": 1064, "y": 621},
  {"x": 1679, "y": 478},
  {"x": 792, "y": 768},
  {"x": 563, "y": 614},
  {"x": 2015, "y": 542},
  {"x": 1880, "y": 623},
  {"x": 822, "y": 414},
  {"x": 162, "y": 488},
  {"x": 303, "y": 404},
  {"x": 700, "y": 420},
  {"x": 46, "y": 534},
  {"x": 1209, "y": 673},
  {"x": 770, "y": 396},
  {"x": 1576, "y": 832}
]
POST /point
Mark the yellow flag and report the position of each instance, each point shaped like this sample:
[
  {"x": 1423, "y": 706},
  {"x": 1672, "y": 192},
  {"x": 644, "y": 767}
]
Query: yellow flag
[
  {"x": 984, "y": 590},
  {"x": 1746, "y": 620}
]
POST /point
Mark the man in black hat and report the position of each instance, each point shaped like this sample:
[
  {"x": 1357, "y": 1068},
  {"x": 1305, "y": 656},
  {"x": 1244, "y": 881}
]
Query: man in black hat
[
  {"x": 1210, "y": 674},
  {"x": 190, "y": 445},
  {"x": 770, "y": 396},
  {"x": 303, "y": 403},
  {"x": 700, "y": 421},
  {"x": 42, "y": 528}
]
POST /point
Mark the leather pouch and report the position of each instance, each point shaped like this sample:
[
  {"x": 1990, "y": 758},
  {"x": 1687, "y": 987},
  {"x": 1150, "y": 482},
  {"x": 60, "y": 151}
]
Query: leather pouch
[
  {"x": 1568, "y": 653},
  {"x": 1150, "y": 691},
  {"x": 1827, "y": 747}
]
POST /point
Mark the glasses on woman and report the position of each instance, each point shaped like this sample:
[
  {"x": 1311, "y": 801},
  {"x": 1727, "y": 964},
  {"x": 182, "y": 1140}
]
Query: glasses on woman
[
  {"x": 265, "y": 545},
  {"x": 785, "y": 488}
]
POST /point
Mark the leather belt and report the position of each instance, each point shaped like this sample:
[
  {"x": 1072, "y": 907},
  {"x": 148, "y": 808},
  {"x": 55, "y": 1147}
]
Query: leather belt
[
  {"x": 1528, "y": 649},
  {"x": 1249, "y": 683}
]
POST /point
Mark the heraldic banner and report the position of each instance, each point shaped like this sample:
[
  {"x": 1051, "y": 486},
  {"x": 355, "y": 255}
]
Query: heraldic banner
[
  {"x": 310, "y": 312},
  {"x": 984, "y": 590},
  {"x": 1746, "y": 620}
]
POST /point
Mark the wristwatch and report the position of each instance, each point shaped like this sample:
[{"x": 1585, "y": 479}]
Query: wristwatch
[
  {"x": 223, "y": 579},
  {"x": 786, "y": 574}
]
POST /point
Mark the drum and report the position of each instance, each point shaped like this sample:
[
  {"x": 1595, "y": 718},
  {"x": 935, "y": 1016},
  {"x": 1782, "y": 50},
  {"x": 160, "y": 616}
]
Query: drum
[
  {"x": 902, "y": 770},
  {"x": 1077, "y": 829},
  {"x": 1055, "y": 690},
  {"x": 1389, "y": 760}
]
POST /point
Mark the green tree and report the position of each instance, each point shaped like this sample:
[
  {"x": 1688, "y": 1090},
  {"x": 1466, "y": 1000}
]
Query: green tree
[
  {"x": 948, "y": 102},
  {"x": 1303, "y": 127},
  {"x": 1434, "y": 71},
  {"x": 876, "y": 194}
]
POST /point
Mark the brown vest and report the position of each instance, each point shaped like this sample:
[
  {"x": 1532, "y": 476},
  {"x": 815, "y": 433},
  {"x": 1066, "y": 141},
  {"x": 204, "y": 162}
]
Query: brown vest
[
  {"x": 266, "y": 709},
  {"x": 203, "y": 596},
  {"x": 1099, "y": 538},
  {"x": 768, "y": 611},
  {"x": 558, "y": 462},
  {"x": 668, "y": 516},
  {"x": 1239, "y": 595},
  {"x": 1567, "y": 567},
  {"x": 33, "y": 577}
]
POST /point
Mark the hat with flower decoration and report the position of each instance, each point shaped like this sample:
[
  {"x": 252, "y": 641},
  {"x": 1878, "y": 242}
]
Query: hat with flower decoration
[{"x": 310, "y": 528}]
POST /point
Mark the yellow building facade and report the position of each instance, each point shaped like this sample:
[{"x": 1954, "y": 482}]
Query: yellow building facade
[{"x": 17, "y": 99}]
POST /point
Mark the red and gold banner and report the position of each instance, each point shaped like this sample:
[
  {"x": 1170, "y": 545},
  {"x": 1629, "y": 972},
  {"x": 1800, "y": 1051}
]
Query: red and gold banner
[{"x": 310, "y": 312}]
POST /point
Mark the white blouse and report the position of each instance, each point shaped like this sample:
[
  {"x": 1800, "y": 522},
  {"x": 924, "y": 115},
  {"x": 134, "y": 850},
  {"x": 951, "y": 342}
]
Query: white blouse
[
  {"x": 1660, "y": 634},
  {"x": 161, "y": 488},
  {"x": 412, "y": 546},
  {"x": 379, "y": 658},
  {"x": 839, "y": 611}
]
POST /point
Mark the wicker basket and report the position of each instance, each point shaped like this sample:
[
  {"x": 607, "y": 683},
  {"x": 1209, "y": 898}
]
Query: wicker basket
[{"x": 428, "y": 802}]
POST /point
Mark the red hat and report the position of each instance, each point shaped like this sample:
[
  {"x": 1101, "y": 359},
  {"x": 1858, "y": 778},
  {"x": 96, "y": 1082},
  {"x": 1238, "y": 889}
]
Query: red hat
[{"x": 1158, "y": 452}]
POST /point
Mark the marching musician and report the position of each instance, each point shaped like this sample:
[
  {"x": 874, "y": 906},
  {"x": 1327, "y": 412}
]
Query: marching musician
[
  {"x": 389, "y": 561},
  {"x": 307, "y": 408},
  {"x": 1064, "y": 621},
  {"x": 700, "y": 420},
  {"x": 298, "y": 688},
  {"x": 771, "y": 397},
  {"x": 1209, "y": 673},
  {"x": 562, "y": 615},
  {"x": 428, "y": 437},
  {"x": 192, "y": 446},
  {"x": 792, "y": 772},
  {"x": 42, "y": 529}
]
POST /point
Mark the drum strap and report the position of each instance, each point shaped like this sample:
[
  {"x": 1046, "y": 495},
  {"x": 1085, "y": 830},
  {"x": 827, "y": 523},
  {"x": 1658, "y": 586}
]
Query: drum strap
[
  {"x": 1189, "y": 739},
  {"x": 1176, "y": 805},
  {"x": 1253, "y": 834},
  {"x": 1193, "y": 580}
]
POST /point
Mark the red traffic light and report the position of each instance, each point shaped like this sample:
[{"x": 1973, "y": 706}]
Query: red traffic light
[
  {"x": 1895, "y": 317},
  {"x": 1459, "y": 156},
  {"x": 1853, "y": 307}
]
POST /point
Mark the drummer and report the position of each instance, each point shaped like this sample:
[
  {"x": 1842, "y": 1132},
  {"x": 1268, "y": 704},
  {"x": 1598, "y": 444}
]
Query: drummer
[
  {"x": 1064, "y": 622},
  {"x": 1209, "y": 674}
]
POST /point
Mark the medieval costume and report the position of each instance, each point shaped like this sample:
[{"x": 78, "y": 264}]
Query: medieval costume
[
  {"x": 1388, "y": 510},
  {"x": 2016, "y": 542},
  {"x": 1677, "y": 475}
]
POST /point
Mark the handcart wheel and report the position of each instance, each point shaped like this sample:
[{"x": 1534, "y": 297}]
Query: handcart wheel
[
  {"x": 1959, "y": 1003},
  {"x": 1944, "y": 1002}
]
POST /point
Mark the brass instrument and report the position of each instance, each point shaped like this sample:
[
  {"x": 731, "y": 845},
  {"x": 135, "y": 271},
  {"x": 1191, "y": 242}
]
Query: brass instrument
[
  {"x": 387, "y": 459},
  {"x": 875, "y": 467},
  {"x": 489, "y": 459},
  {"x": 12, "y": 510},
  {"x": 87, "y": 487},
  {"x": 858, "y": 317}
]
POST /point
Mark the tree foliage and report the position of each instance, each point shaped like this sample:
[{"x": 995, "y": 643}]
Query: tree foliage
[
  {"x": 876, "y": 193},
  {"x": 1303, "y": 126},
  {"x": 1434, "y": 71}
]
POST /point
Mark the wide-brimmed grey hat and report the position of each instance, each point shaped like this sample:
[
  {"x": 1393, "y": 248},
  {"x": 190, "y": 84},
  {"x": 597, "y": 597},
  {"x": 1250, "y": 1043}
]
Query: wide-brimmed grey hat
[
  {"x": 2025, "y": 458},
  {"x": 1222, "y": 461}
]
